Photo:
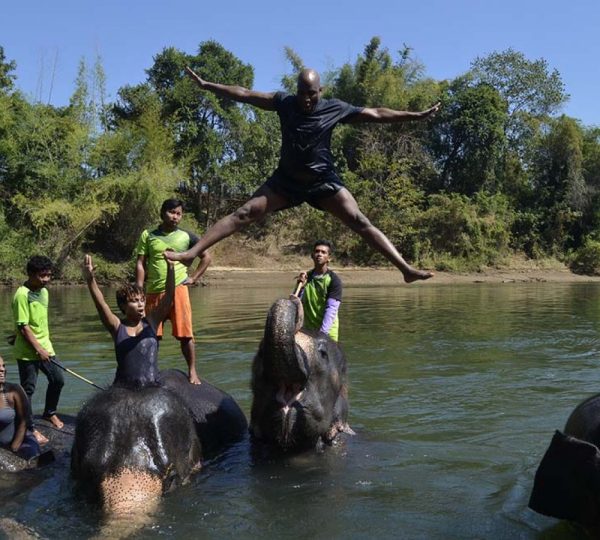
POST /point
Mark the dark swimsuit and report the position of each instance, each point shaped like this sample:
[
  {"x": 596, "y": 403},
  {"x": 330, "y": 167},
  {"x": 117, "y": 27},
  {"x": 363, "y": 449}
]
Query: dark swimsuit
[
  {"x": 29, "y": 447},
  {"x": 137, "y": 357},
  {"x": 7, "y": 424}
]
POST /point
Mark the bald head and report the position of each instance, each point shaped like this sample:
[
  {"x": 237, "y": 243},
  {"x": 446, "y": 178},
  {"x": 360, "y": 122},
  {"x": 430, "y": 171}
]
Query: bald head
[
  {"x": 309, "y": 76},
  {"x": 309, "y": 90}
]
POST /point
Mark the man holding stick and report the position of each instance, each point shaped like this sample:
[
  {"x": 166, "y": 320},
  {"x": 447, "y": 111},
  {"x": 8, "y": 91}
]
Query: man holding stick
[
  {"x": 321, "y": 292},
  {"x": 306, "y": 172}
]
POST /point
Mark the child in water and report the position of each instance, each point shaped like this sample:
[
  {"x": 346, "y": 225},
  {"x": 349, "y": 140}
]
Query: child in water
[{"x": 136, "y": 344}]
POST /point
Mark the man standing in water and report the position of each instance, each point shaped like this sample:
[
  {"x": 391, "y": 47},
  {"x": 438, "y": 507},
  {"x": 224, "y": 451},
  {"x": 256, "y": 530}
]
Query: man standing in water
[
  {"x": 306, "y": 172},
  {"x": 322, "y": 292}
]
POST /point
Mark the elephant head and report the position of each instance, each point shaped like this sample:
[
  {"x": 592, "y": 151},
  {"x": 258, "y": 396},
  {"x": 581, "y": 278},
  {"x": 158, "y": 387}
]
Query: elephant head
[
  {"x": 133, "y": 445},
  {"x": 298, "y": 383}
]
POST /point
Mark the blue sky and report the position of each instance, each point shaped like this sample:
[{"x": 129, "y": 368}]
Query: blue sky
[{"x": 51, "y": 37}]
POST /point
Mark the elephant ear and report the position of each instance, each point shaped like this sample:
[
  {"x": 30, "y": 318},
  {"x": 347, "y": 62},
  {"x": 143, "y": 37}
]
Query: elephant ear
[{"x": 567, "y": 482}]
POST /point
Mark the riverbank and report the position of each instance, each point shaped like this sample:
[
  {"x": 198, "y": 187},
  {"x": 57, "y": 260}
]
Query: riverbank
[{"x": 219, "y": 276}]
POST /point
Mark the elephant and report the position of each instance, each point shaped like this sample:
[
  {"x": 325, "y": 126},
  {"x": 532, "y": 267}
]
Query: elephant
[
  {"x": 567, "y": 481},
  {"x": 299, "y": 384},
  {"x": 133, "y": 445}
]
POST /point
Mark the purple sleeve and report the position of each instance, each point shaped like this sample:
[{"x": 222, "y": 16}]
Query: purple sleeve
[{"x": 331, "y": 309}]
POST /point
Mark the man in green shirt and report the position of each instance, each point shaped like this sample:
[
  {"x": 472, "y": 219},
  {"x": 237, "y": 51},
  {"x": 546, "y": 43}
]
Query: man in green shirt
[
  {"x": 33, "y": 348},
  {"x": 151, "y": 267},
  {"x": 322, "y": 292}
]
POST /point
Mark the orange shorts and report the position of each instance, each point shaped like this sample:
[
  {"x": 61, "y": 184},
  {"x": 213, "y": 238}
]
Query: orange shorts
[{"x": 180, "y": 314}]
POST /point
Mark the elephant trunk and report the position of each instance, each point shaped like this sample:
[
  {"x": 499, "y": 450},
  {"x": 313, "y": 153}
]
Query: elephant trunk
[{"x": 286, "y": 361}]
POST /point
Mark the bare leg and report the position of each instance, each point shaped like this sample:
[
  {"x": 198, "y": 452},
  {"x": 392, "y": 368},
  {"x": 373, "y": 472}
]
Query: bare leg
[
  {"x": 343, "y": 206},
  {"x": 189, "y": 353},
  {"x": 263, "y": 202}
]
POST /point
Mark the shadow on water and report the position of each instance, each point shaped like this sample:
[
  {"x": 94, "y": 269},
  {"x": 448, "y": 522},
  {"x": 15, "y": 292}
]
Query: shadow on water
[{"x": 455, "y": 392}]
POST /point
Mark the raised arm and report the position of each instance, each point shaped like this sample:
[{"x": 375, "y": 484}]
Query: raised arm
[
  {"x": 384, "y": 115},
  {"x": 164, "y": 306},
  {"x": 109, "y": 319},
  {"x": 262, "y": 100},
  {"x": 205, "y": 260}
]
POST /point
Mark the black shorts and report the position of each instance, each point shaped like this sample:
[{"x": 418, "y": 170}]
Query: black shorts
[{"x": 298, "y": 192}]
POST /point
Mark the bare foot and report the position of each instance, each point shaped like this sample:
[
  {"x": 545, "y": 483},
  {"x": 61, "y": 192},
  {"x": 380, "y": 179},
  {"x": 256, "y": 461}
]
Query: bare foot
[
  {"x": 412, "y": 274},
  {"x": 55, "y": 421},
  {"x": 194, "y": 379},
  {"x": 41, "y": 440},
  {"x": 182, "y": 257}
]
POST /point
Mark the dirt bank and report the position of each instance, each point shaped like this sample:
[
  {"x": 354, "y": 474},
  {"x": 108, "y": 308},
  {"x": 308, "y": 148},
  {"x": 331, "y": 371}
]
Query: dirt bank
[{"x": 232, "y": 276}]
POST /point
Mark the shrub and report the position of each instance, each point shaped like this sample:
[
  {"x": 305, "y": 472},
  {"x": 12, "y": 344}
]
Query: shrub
[{"x": 586, "y": 259}]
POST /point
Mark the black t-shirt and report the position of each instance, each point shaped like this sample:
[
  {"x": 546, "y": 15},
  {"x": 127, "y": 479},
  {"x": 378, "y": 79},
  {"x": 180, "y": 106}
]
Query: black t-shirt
[{"x": 306, "y": 138}]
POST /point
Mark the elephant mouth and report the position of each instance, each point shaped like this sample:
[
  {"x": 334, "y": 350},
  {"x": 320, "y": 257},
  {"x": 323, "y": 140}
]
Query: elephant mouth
[{"x": 287, "y": 395}]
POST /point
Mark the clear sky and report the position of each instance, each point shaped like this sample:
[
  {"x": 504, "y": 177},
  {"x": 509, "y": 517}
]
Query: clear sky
[{"x": 46, "y": 38}]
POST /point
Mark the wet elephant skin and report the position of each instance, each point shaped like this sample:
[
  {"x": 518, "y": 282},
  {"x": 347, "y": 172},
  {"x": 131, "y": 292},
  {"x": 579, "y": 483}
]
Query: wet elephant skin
[
  {"x": 567, "y": 481},
  {"x": 298, "y": 384}
]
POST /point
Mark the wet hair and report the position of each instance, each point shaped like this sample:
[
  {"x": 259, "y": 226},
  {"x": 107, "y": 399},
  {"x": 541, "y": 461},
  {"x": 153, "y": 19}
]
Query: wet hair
[
  {"x": 127, "y": 292},
  {"x": 324, "y": 243},
  {"x": 170, "y": 204},
  {"x": 39, "y": 263}
]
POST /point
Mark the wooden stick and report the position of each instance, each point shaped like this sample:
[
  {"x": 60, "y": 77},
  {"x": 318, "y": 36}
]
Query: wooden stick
[
  {"x": 298, "y": 288},
  {"x": 75, "y": 374}
]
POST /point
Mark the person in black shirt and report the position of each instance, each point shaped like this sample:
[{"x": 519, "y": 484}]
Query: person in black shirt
[{"x": 306, "y": 172}]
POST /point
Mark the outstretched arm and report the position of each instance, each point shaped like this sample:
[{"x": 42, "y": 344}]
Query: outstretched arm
[
  {"x": 109, "y": 319},
  {"x": 164, "y": 306},
  {"x": 384, "y": 115},
  {"x": 262, "y": 100}
]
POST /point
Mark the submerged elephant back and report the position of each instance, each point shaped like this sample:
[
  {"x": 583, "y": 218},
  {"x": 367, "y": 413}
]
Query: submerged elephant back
[{"x": 146, "y": 430}]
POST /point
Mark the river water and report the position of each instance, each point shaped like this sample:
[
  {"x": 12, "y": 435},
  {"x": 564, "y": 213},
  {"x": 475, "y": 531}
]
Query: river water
[{"x": 455, "y": 391}]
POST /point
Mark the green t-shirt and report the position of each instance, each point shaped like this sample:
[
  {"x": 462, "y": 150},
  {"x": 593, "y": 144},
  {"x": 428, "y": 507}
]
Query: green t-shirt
[
  {"x": 31, "y": 308},
  {"x": 152, "y": 245},
  {"x": 314, "y": 300}
]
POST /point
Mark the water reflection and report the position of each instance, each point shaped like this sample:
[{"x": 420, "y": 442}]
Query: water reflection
[{"x": 455, "y": 392}]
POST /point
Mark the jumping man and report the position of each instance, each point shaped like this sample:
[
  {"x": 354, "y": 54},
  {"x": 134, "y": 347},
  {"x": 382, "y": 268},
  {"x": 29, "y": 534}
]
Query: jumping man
[{"x": 306, "y": 172}]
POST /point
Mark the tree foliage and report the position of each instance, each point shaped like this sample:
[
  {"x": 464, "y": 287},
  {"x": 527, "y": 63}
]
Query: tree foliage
[{"x": 496, "y": 172}]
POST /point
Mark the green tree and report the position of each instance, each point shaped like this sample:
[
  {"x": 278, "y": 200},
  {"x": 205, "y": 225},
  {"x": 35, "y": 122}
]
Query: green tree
[
  {"x": 561, "y": 192},
  {"x": 6, "y": 77},
  {"x": 529, "y": 87},
  {"x": 526, "y": 85},
  {"x": 471, "y": 231},
  {"x": 467, "y": 137}
]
